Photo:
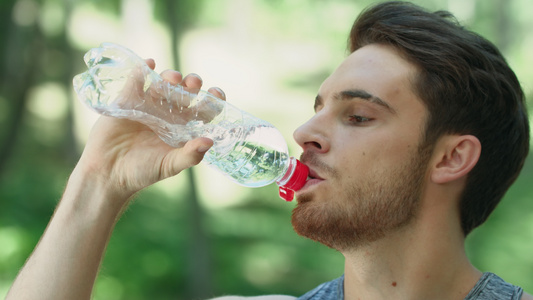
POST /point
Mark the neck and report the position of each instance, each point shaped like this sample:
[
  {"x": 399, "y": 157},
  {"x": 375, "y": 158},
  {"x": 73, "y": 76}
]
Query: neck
[{"x": 415, "y": 262}]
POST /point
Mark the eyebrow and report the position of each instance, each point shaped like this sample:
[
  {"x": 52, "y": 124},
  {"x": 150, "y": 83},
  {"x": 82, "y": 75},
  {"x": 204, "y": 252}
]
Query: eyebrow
[{"x": 359, "y": 94}]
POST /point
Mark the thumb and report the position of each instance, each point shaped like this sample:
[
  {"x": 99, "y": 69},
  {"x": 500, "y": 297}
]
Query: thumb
[{"x": 189, "y": 155}]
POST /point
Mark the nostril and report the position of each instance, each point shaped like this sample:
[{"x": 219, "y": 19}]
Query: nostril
[{"x": 314, "y": 144}]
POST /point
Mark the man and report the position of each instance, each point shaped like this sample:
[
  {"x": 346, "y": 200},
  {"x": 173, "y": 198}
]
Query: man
[{"x": 416, "y": 137}]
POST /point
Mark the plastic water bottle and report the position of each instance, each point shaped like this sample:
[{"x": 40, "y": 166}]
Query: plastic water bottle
[{"x": 249, "y": 150}]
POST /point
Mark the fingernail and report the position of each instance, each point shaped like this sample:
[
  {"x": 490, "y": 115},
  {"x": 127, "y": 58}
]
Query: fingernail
[
  {"x": 221, "y": 92},
  {"x": 197, "y": 76}
]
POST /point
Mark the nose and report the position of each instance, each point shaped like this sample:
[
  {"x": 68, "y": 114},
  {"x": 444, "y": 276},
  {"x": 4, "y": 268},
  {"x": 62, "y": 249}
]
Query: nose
[{"x": 313, "y": 135}]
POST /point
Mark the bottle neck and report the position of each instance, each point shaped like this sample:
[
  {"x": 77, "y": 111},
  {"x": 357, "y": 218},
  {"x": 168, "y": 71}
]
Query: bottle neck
[
  {"x": 293, "y": 180},
  {"x": 291, "y": 167}
]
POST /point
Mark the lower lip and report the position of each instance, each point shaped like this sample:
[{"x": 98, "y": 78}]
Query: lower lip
[{"x": 311, "y": 182}]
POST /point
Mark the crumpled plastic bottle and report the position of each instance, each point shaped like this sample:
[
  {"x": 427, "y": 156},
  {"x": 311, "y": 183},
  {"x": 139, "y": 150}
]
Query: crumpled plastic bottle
[{"x": 250, "y": 151}]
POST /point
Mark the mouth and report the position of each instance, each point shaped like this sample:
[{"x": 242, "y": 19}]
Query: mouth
[
  {"x": 313, "y": 175},
  {"x": 312, "y": 179}
]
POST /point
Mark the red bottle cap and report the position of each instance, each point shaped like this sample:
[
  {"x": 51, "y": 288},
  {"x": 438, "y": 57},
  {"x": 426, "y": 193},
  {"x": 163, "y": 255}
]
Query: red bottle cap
[{"x": 297, "y": 176}]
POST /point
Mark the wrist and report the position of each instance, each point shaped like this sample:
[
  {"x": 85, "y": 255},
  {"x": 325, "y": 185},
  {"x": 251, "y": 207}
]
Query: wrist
[{"x": 87, "y": 191}]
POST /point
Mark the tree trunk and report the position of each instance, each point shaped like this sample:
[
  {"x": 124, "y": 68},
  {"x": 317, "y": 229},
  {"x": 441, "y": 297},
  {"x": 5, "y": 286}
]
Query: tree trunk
[
  {"x": 199, "y": 261},
  {"x": 18, "y": 73}
]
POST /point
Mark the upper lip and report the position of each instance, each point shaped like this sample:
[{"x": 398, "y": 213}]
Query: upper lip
[{"x": 313, "y": 174}]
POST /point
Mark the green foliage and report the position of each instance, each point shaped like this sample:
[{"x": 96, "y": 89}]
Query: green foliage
[
  {"x": 249, "y": 248},
  {"x": 185, "y": 13},
  {"x": 503, "y": 244}
]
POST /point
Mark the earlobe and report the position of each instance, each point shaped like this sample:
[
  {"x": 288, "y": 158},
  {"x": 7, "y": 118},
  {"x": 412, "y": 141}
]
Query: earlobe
[{"x": 458, "y": 156}]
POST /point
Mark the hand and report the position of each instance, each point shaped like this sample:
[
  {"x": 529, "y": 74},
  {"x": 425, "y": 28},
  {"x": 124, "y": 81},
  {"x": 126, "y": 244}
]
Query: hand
[{"x": 126, "y": 156}]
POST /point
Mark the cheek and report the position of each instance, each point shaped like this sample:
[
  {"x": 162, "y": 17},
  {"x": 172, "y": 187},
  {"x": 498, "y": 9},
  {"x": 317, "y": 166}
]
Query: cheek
[
  {"x": 368, "y": 153},
  {"x": 353, "y": 161},
  {"x": 377, "y": 155}
]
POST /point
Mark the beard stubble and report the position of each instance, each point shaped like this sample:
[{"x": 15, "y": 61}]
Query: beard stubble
[{"x": 364, "y": 211}]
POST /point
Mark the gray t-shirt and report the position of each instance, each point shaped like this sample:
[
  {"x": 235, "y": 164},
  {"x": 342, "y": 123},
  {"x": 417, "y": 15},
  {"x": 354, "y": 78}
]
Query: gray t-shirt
[{"x": 488, "y": 287}]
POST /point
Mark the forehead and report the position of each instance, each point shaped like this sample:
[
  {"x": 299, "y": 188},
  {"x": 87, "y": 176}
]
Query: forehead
[{"x": 378, "y": 70}]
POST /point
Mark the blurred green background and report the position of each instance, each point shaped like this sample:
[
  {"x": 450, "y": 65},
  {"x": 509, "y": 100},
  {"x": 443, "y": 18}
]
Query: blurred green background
[{"x": 199, "y": 235}]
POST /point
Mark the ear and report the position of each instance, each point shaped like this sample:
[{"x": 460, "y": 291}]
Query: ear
[{"x": 456, "y": 156}]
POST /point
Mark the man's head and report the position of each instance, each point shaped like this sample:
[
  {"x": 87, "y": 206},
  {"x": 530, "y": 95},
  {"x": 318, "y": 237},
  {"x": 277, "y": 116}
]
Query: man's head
[
  {"x": 467, "y": 87},
  {"x": 362, "y": 146},
  {"x": 415, "y": 77}
]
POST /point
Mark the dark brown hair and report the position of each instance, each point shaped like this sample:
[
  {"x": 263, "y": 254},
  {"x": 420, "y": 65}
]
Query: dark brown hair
[{"x": 467, "y": 87}]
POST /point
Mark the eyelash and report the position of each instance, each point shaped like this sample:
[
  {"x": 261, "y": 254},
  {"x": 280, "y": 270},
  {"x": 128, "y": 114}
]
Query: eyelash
[{"x": 359, "y": 119}]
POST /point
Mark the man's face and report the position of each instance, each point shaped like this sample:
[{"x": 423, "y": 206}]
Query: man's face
[{"x": 362, "y": 148}]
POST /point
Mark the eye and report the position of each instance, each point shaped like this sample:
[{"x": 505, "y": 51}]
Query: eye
[{"x": 358, "y": 119}]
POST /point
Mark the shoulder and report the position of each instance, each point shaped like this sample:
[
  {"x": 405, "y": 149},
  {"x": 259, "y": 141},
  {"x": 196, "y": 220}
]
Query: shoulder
[
  {"x": 268, "y": 297},
  {"x": 491, "y": 286}
]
